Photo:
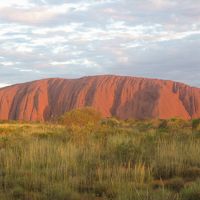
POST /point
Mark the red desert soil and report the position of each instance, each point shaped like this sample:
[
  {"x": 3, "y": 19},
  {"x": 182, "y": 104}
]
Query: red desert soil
[{"x": 124, "y": 97}]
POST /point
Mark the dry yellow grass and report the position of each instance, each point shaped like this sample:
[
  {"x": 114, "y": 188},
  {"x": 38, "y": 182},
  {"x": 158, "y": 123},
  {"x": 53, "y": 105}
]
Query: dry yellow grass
[{"x": 49, "y": 161}]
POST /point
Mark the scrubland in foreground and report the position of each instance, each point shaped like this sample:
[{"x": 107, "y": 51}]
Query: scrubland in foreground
[{"x": 119, "y": 160}]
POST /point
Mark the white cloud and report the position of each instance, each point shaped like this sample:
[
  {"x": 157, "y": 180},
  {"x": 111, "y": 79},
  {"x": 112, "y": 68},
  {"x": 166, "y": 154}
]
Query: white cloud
[
  {"x": 108, "y": 36},
  {"x": 34, "y": 16},
  {"x": 84, "y": 61},
  {"x": 177, "y": 35},
  {"x": 26, "y": 12},
  {"x": 38, "y": 14},
  {"x": 29, "y": 70},
  {"x": 24, "y": 49},
  {"x": 7, "y": 63},
  {"x": 70, "y": 28},
  {"x": 14, "y": 3},
  {"x": 49, "y": 41},
  {"x": 3, "y": 85},
  {"x": 161, "y": 4}
]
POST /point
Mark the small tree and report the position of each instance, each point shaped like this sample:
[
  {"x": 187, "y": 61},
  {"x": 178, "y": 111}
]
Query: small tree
[
  {"x": 196, "y": 124},
  {"x": 81, "y": 117}
]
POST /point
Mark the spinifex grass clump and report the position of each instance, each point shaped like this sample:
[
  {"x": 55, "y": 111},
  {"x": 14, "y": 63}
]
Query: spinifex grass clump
[{"x": 109, "y": 159}]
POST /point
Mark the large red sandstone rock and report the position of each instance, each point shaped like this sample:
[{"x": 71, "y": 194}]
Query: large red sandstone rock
[{"x": 124, "y": 97}]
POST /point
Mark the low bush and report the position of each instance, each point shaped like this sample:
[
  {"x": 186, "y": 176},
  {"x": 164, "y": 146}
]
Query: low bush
[
  {"x": 80, "y": 117},
  {"x": 18, "y": 192},
  {"x": 156, "y": 184},
  {"x": 163, "y": 124},
  {"x": 110, "y": 122},
  {"x": 196, "y": 124},
  {"x": 191, "y": 192},
  {"x": 192, "y": 173},
  {"x": 175, "y": 184},
  {"x": 59, "y": 192},
  {"x": 177, "y": 124}
]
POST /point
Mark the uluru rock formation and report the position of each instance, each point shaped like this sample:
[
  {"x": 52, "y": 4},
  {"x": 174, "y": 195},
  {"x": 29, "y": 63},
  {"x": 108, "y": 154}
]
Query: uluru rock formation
[{"x": 124, "y": 97}]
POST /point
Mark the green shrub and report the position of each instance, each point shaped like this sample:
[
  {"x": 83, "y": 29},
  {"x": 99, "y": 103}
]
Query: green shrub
[
  {"x": 191, "y": 192},
  {"x": 163, "y": 124},
  {"x": 100, "y": 190},
  {"x": 58, "y": 192},
  {"x": 110, "y": 122},
  {"x": 128, "y": 151},
  {"x": 195, "y": 124},
  {"x": 192, "y": 173},
  {"x": 156, "y": 184},
  {"x": 175, "y": 184},
  {"x": 18, "y": 192},
  {"x": 147, "y": 194},
  {"x": 162, "y": 194},
  {"x": 177, "y": 124}
]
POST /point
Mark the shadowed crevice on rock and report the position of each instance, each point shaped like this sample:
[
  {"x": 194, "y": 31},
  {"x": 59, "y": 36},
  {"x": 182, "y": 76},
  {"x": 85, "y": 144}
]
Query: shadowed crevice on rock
[
  {"x": 144, "y": 104},
  {"x": 19, "y": 97},
  {"x": 117, "y": 98},
  {"x": 189, "y": 98},
  {"x": 90, "y": 94}
]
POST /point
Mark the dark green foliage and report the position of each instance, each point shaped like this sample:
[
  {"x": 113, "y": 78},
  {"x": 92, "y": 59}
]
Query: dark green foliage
[
  {"x": 128, "y": 152},
  {"x": 195, "y": 124},
  {"x": 163, "y": 124},
  {"x": 59, "y": 192},
  {"x": 191, "y": 192},
  {"x": 18, "y": 192},
  {"x": 192, "y": 173},
  {"x": 175, "y": 184},
  {"x": 157, "y": 184}
]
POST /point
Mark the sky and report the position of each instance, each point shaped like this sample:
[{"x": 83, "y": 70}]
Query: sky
[{"x": 74, "y": 38}]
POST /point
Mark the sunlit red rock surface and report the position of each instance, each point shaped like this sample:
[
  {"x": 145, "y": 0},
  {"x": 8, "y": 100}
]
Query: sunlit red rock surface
[{"x": 124, "y": 97}]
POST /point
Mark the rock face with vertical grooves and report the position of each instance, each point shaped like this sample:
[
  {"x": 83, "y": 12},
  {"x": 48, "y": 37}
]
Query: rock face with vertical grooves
[{"x": 123, "y": 97}]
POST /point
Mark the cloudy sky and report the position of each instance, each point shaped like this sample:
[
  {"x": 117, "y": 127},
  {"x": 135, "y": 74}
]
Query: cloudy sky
[{"x": 74, "y": 38}]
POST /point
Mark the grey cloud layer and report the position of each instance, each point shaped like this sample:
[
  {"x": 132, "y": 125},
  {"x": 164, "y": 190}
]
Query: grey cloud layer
[{"x": 57, "y": 38}]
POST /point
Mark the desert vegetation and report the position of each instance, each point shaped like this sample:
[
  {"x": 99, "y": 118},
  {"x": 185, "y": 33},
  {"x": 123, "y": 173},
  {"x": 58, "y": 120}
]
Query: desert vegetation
[{"x": 83, "y": 157}]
